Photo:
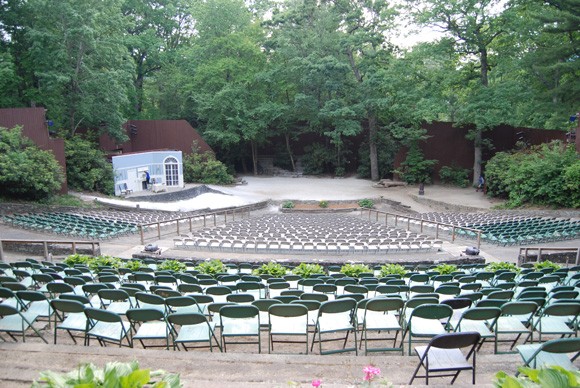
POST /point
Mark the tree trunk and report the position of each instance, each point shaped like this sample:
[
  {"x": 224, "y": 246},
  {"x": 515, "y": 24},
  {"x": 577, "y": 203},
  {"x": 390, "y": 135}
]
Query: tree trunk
[
  {"x": 477, "y": 156},
  {"x": 373, "y": 147},
  {"x": 254, "y": 156},
  {"x": 289, "y": 149}
]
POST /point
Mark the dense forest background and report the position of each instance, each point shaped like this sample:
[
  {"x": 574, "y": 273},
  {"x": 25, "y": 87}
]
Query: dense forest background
[{"x": 247, "y": 72}]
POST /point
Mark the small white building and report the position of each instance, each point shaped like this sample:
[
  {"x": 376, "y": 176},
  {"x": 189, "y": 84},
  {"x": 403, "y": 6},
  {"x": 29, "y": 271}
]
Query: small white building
[{"x": 165, "y": 169}]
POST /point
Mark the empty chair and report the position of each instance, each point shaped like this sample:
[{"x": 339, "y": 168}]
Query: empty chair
[
  {"x": 181, "y": 304},
  {"x": 13, "y": 321},
  {"x": 240, "y": 321},
  {"x": 427, "y": 321},
  {"x": 117, "y": 301},
  {"x": 380, "y": 315},
  {"x": 335, "y": 316},
  {"x": 69, "y": 315},
  {"x": 218, "y": 293},
  {"x": 191, "y": 328},
  {"x": 288, "y": 320},
  {"x": 482, "y": 320},
  {"x": 556, "y": 319},
  {"x": 516, "y": 318},
  {"x": 106, "y": 327},
  {"x": 443, "y": 356},
  {"x": 275, "y": 289},
  {"x": 553, "y": 352},
  {"x": 148, "y": 325}
]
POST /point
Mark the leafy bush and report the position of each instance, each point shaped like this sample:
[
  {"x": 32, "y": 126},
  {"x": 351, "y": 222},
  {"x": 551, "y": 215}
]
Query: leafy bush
[
  {"x": 104, "y": 261},
  {"x": 172, "y": 265},
  {"x": 307, "y": 270},
  {"x": 542, "y": 175},
  {"x": 501, "y": 265},
  {"x": 454, "y": 175},
  {"x": 318, "y": 159},
  {"x": 323, "y": 204},
  {"x": 415, "y": 168},
  {"x": 552, "y": 376},
  {"x": 204, "y": 168},
  {"x": 134, "y": 265},
  {"x": 354, "y": 270},
  {"x": 26, "y": 171},
  {"x": 393, "y": 269},
  {"x": 75, "y": 259},
  {"x": 538, "y": 266},
  {"x": 211, "y": 267},
  {"x": 389, "y": 148},
  {"x": 87, "y": 168},
  {"x": 366, "y": 203},
  {"x": 445, "y": 269},
  {"x": 271, "y": 268},
  {"x": 339, "y": 171},
  {"x": 288, "y": 205},
  {"x": 114, "y": 375}
]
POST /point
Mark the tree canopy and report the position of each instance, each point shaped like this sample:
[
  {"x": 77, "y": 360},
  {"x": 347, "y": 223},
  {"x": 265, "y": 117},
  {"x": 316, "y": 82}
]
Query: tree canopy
[{"x": 254, "y": 75}]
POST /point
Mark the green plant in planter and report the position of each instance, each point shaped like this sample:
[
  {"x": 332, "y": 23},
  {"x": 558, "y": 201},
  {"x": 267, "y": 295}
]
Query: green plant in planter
[
  {"x": 75, "y": 259},
  {"x": 546, "y": 264},
  {"x": 104, "y": 261},
  {"x": 354, "y": 270},
  {"x": 134, "y": 265},
  {"x": 271, "y": 268},
  {"x": 211, "y": 267},
  {"x": 114, "y": 375},
  {"x": 445, "y": 269},
  {"x": 496, "y": 266},
  {"x": 307, "y": 270},
  {"x": 172, "y": 265},
  {"x": 393, "y": 269},
  {"x": 323, "y": 204},
  {"x": 552, "y": 376},
  {"x": 366, "y": 203},
  {"x": 288, "y": 205}
]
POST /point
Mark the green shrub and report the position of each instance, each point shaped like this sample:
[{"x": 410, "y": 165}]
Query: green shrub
[
  {"x": 551, "y": 376},
  {"x": 538, "y": 266},
  {"x": 288, "y": 205},
  {"x": 454, "y": 175},
  {"x": 306, "y": 270},
  {"x": 172, "y": 265},
  {"x": 114, "y": 375},
  {"x": 445, "y": 269},
  {"x": 87, "y": 168},
  {"x": 415, "y": 168},
  {"x": 323, "y": 204},
  {"x": 26, "y": 171},
  {"x": 366, "y": 203},
  {"x": 211, "y": 267},
  {"x": 75, "y": 259},
  {"x": 502, "y": 265},
  {"x": 271, "y": 268},
  {"x": 104, "y": 261},
  {"x": 393, "y": 269},
  {"x": 134, "y": 265},
  {"x": 318, "y": 159},
  {"x": 542, "y": 175},
  {"x": 354, "y": 270},
  {"x": 205, "y": 168},
  {"x": 339, "y": 171}
]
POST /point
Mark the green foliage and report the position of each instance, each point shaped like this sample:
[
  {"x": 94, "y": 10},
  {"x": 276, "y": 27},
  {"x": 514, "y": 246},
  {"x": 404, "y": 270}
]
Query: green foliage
[
  {"x": 271, "y": 268},
  {"x": 211, "y": 267},
  {"x": 454, "y": 175},
  {"x": 288, "y": 205},
  {"x": 543, "y": 175},
  {"x": 104, "y": 261},
  {"x": 68, "y": 200},
  {"x": 546, "y": 264},
  {"x": 415, "y": 168},
  {"x": 318, "y": 159},
  {"x": 87, "y": 168},
  {"x": 354, "y": 270},
  {"x": 323, "y": 204},
  {"x": 501, "y": 265},
  {"x": 445, "y": 269},
  {"x": 72, "y": 260},
  {"x": 307, "y": 270},
  {"x": 551, "y": 376},
  {"x": 134, "y": 265},
  {"x": 366, "y": 203},
  {"x": 114, "y": 375},
  {"x": 205, "y": 168},
  {"x": 172, "y": 265},
  {"x": 393, "y": 269},
  {"x": 26, "y": 172}
]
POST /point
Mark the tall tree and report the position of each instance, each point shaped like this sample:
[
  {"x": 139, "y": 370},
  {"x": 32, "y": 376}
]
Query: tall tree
[
  {"x": 474, "y": 25},
  {"x": 81, "y": 64}
]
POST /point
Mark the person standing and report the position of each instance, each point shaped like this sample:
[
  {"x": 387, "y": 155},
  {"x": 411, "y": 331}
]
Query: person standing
[{"x": 480, "y": 183}]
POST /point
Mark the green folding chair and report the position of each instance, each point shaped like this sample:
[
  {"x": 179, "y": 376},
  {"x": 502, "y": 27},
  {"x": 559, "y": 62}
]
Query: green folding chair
[
  {"x": 191, "y": 328},
  {"x": 69, "y": 315},
  {"x": 482, "y": 320},
  {"x": 106, "y": 327},
  {"x": 382, "y": 315},
  {"x": 240, "y": 321},
  {"x": 288, "y": 320},
  {"x": 553, "y": 352},
  {"x": 336, "y": 316},
  {"x": 148, "y": 325},
  {"x": 427, "y": 321},
  {"x": 13, "y": 321}
]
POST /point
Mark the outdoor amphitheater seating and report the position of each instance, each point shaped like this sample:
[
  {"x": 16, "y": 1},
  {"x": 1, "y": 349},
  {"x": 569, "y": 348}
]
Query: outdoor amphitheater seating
[
  {"x": 336, "y": 317},
  {"x": 553, "y": 352},
  {"x": 427, "y": 321}
]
